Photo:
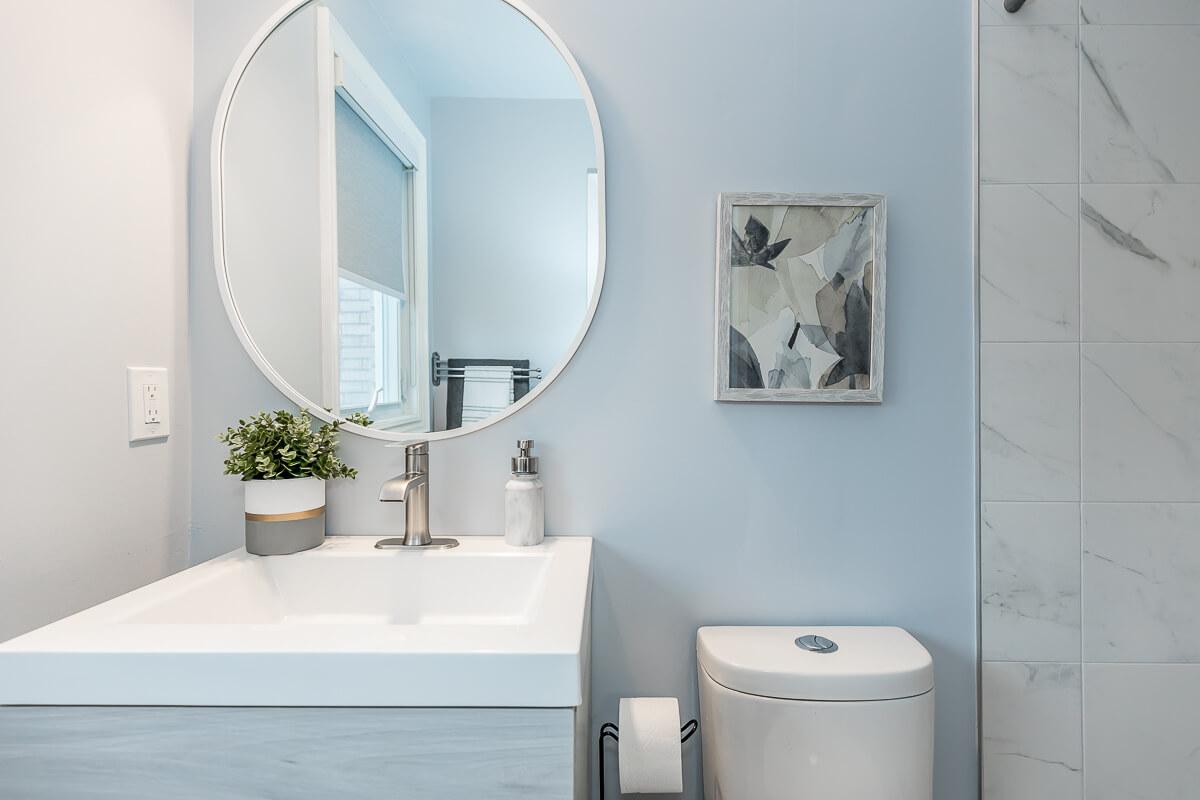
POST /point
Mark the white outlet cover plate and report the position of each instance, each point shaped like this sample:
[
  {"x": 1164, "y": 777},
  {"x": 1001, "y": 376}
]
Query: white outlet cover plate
[{"x": 137, "y": 379}]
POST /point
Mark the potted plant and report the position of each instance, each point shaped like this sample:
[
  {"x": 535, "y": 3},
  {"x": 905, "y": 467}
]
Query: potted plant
[{"x": 285, "y": 464}]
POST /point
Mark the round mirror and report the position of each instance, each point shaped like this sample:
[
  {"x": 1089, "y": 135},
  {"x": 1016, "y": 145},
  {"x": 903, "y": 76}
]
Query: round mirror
[{"x": 408, "y": 201}]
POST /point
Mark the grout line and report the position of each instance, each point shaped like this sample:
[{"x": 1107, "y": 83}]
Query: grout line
[
  {"x": 1142, "y": 25},
  {"x": 1089, "y": 183},
  {"x": 1102, "y": 503},
  {"x": 1083, "y": 772},
  {"x": 1003, "y": 25},
  {"x": 977, "y": 213},
  {"x": 1089, "y": 342},
  {"x": 1184, "y": 664}
]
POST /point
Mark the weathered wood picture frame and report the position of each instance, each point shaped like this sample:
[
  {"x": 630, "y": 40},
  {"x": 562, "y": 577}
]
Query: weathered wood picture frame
[{"x": 800, "y": 297}]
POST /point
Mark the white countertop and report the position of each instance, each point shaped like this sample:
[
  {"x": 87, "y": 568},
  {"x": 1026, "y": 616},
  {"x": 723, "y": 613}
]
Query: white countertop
[{"x": 344, "y": 624}]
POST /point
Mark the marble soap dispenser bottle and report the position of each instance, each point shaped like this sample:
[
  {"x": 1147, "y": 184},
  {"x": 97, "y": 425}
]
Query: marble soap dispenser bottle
[{"x": 524, "y": 500}]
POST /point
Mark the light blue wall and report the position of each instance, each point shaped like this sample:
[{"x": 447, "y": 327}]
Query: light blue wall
[
  {"x": 508, "y": 214},
  {"x": 734, "y": 514}
]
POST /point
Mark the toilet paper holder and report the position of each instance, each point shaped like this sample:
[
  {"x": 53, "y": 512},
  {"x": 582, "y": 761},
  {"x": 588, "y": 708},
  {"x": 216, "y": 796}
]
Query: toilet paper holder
[{"x": 609, "y": 730}]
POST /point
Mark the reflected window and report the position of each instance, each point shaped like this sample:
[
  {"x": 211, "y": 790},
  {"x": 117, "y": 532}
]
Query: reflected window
[
  {"x": 374, "y": 225},
  {"x": 371, "y": 343}
]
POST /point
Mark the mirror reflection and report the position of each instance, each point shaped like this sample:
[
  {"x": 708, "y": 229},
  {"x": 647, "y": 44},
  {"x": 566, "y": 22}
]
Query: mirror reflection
[{"x": 410, "y": 208}]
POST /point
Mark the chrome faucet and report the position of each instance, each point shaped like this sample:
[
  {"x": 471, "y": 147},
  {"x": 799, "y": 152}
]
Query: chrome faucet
[{"x": 412, "y": 489}]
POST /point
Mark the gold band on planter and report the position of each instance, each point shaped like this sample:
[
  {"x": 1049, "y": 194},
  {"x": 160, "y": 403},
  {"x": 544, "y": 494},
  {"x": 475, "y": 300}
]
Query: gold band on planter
[{"x": 312, "y": 512}]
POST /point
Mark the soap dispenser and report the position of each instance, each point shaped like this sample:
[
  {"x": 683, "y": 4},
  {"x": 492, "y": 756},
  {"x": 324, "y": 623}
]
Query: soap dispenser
[{"x": 524, "y": 500}]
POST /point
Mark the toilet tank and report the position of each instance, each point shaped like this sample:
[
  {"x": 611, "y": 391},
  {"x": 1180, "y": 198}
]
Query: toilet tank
[{"x": 784, "y": 717}]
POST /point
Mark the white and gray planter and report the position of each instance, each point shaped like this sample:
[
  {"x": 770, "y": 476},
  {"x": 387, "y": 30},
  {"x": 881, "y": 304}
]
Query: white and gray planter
[{"x": 284, "y": 516}]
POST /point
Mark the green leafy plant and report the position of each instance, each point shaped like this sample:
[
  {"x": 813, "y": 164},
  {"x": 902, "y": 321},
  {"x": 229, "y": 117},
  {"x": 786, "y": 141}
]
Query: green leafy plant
[{"x": 284, "y": 445}]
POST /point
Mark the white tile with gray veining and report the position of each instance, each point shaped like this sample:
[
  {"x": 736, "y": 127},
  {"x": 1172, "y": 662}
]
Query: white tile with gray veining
[
  {"x": 1140, "y": 249},
  {"x": 1141, "y": 582},
  {"x": 1034, "y": 12},
  {"x": 1139, "y": 12},
  {"x": 1028, "y": 105},
  {"x": 1029, "y": 421},
  {"x": 1142, "y": 731},
  {"x": 1032, "y": 744},
  {"x": 1030, "y": 581},
  {"x": 1139, "y": 106},
  {"x": 1141, "y": 422},
  {"x": 1029, "y": 263}
]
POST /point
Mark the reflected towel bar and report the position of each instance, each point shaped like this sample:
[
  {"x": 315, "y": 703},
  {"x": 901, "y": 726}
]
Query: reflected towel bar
[{"x": 440, "y": 370}]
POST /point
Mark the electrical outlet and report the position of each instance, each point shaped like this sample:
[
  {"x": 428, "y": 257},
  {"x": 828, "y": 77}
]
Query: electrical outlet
[{"x": 149, "y": 403}]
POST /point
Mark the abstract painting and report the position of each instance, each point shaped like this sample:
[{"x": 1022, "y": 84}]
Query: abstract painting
[{"x": 800, "y": 290}]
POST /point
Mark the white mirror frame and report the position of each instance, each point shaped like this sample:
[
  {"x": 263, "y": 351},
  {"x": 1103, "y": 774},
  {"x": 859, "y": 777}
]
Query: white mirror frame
[{"x": 223, "y": 283}]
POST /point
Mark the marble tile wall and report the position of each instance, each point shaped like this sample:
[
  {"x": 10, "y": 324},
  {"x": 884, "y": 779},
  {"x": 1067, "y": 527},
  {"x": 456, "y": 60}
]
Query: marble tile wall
[{"x": 1090, "y": 398}]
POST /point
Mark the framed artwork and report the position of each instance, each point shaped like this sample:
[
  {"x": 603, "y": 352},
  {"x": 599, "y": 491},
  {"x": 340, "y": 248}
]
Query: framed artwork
[{"x": 800, "y": 289}]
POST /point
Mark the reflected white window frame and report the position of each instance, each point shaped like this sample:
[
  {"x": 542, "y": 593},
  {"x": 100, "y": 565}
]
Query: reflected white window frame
[
  {"x": 345, "y": 72},
  {"x": 593, "y": 231}
]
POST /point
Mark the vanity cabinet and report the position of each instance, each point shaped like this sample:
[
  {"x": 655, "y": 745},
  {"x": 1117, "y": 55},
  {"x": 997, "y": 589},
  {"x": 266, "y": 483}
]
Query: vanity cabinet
[
  {"x": 343, "y": 672},
  {"x": 152, "y": 753}
]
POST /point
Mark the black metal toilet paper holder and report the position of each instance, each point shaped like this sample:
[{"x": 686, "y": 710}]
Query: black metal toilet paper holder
[{"x": 609, "y": 730}]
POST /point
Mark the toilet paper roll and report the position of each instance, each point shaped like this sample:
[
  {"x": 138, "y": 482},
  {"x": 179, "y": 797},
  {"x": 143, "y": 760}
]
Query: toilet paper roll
[{"x": 649, "y": 753}]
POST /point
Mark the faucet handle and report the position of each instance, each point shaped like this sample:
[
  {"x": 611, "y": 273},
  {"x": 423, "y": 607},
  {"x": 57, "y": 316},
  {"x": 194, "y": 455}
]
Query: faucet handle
[{"x": 416, "y": 457}]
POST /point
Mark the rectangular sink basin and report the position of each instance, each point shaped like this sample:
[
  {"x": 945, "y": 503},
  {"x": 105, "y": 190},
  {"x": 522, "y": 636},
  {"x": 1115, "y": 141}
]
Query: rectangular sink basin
[
  {"x": 356, "y": 587},
  {"x": 483, "y": 624}
]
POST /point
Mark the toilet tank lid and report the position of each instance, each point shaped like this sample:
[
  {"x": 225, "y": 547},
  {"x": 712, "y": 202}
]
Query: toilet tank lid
[{"x": 870, "y": 663}]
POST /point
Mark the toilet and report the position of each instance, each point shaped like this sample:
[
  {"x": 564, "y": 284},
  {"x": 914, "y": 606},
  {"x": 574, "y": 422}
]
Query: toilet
[{"x": 828, "y": 713}]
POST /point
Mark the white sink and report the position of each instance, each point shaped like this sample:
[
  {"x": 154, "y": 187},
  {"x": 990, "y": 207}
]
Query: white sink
[
  {"x": 483, "y": 624},
  {"x": 344, "y": 583}
]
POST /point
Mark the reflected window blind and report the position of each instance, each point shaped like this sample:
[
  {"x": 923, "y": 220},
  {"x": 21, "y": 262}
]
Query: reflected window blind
[{"x": 372, "y": 203}]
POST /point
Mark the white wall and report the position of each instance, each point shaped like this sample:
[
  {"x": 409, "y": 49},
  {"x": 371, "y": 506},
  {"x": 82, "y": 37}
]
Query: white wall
[
  {"x": 508, "y": 273},
  {"x": 93, "y": 257},
  {"x": 732, "y": 514}
]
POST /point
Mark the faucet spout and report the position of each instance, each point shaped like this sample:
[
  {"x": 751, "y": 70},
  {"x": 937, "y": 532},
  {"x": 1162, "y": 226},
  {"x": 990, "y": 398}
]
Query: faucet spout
[{"x": 399, "y": 488}]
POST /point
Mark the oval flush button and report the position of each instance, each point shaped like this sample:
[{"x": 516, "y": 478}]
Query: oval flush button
[{"x": 816, "y": 644}]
